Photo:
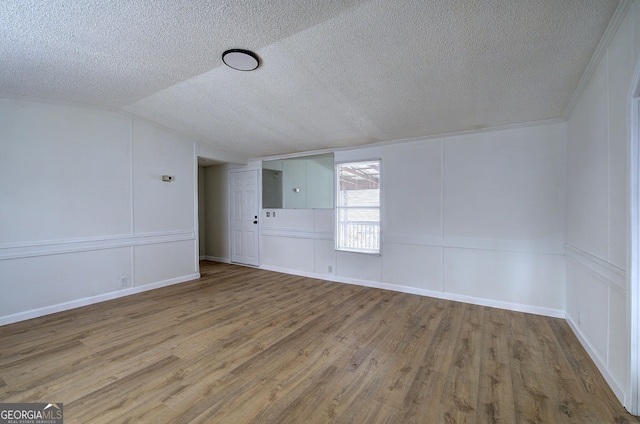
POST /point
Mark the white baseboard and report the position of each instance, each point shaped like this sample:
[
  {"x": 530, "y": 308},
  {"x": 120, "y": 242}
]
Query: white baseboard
[
  {"x": 531, "y": 309},
  {"x": 613, "y": 383},
  {"x": 215, "y": 259},
  {"x": 35, "y": 313}
]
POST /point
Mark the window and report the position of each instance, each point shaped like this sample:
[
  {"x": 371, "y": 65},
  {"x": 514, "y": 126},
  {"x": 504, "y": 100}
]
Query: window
[{"x": 358, "y": 206}]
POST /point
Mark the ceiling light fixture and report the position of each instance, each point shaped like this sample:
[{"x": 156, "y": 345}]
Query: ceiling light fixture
[{"x": 242, "y": 60}]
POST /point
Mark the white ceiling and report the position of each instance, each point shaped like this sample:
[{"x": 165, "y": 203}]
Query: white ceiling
[{"x": 334, "y": 73}]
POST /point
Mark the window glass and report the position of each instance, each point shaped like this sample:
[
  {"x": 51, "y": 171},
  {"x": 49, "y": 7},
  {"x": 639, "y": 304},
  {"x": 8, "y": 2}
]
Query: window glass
[{"x": 358, "y": 206}]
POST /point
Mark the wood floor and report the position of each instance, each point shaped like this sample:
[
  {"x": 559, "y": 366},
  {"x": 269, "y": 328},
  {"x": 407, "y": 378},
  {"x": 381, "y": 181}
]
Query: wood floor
[{"x": 242, "y": 345}]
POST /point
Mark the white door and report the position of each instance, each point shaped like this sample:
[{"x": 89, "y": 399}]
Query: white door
[{"x": 244, "y": 217}]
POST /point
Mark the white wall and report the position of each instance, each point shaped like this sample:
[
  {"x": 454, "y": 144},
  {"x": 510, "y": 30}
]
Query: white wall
[
  {"x": 597, "y": 208},
  {"x": 477, "y": 217},
  {"x": 83, "y": 206}
]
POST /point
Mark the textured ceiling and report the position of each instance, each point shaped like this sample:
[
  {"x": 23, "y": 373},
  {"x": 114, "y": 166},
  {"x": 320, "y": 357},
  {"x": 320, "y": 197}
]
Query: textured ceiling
[{"x": 334, "y": 73}]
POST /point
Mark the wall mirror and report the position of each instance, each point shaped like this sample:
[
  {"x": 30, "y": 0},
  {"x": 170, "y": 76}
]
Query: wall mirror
[{"x": 304, "y": 182}]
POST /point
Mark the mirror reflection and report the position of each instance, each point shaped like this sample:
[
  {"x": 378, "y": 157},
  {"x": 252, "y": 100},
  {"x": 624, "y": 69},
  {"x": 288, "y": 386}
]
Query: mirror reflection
[{"x": 304, "y": 182}]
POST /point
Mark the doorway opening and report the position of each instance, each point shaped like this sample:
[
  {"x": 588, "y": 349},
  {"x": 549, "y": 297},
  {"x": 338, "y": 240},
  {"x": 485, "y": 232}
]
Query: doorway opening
[{"x": 213, "y": 210}]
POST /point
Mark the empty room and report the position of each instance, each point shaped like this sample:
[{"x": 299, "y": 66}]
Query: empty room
[{"x": 350, "y": 211}]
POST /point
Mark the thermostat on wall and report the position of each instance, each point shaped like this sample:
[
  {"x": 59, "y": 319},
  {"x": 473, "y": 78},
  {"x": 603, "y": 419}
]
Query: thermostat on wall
[{"x": 167, "y": 178}]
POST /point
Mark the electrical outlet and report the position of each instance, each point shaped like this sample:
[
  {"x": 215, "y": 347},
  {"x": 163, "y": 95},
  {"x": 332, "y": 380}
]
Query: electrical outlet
[
  {"x": 330, "y": 268},
  {"x": 124, "y": 281},
  {"x": 579, "y": 323}
]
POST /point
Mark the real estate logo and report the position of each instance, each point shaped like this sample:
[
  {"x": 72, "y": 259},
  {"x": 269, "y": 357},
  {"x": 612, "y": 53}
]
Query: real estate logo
[{"x": 31, "y": 413}]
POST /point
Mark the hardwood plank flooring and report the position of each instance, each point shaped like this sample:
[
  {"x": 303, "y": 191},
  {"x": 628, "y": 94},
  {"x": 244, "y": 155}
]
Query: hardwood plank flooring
[{"x": 243, "y": 345}]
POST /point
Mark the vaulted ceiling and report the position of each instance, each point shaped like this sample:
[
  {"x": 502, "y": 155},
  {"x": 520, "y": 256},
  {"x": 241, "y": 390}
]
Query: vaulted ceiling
[{"x": 334, "y": 73}]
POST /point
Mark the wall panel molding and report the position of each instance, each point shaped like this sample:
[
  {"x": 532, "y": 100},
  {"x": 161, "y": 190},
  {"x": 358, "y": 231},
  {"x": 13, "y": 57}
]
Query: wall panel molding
[
  {"x": 605, "y": 272},
  {"x": 57, "y": 247},
  {"x": 303, "y": 234},
  {"x": 520, "y": 246},
  {"x": 598, "y": 54}
]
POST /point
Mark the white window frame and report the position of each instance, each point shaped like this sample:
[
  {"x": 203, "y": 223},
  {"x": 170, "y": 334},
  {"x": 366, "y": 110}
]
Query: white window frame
[{"x": 339, "y": 207}]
